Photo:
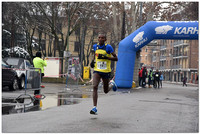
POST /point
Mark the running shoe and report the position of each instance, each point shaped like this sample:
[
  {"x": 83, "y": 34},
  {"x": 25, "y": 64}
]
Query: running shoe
[
  {"x": 94, "y": 111},
  {"x": 114, "y": 88}
]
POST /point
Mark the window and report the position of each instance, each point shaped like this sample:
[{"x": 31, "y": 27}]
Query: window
[
  {"x": 56, "y": 47},
  {"x": 22, "y": 66},
  {"x": 76, "y": 46},
  {"x": 28, "y": 65},
  {"x": 13, "y": 61}
]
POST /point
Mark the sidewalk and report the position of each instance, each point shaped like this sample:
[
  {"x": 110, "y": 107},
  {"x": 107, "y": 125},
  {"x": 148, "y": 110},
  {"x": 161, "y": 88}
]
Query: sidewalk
[{"x": 181, "y": 83}]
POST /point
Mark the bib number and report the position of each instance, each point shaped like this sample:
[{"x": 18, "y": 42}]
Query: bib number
[{"x": 101, "y": 65}]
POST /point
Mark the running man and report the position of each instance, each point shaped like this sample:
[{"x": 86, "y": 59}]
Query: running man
[{"x": 104, "y": 54}]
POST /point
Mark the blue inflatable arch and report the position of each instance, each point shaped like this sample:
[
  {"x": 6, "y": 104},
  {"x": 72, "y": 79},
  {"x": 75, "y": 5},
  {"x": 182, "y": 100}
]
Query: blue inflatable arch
[{"x": 141, "y": 37}]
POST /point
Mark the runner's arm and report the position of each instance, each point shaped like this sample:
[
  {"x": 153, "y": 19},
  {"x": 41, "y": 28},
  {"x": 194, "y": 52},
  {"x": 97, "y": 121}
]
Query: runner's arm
[{"x": 114, "y": 58}]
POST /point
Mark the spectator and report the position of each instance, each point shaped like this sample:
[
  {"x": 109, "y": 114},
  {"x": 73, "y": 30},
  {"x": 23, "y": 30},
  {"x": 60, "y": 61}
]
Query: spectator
[
  {"x": 197, "y": 79},
  {"x": 161, "y": 79},
  {"x": 144, "y": 76},
  {"x": 157, "y": 79},
  {"x": 184, "y": 81},
  {"x": 140, "y": 77},
  {"x": 38, "y": 62},
  {"x": 150, "y": 78}
]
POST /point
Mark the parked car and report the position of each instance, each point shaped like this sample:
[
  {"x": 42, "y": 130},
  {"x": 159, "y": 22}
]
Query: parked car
[
  {"x": 21, "y": 65},
  {"x": 9, "y": 76}
]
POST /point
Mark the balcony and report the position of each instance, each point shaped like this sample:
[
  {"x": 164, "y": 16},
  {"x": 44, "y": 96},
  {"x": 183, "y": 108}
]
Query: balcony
[
  {"x": 180, "y": 55},
  {"x": 162, "y": 58},
  {"x": 163, "y": 47},
  {"x": 176, "y": 66},
  {"x": 154, "y": 59},
  {"x": 180, "y": 43},
  {"x": 162, "y": 67}
]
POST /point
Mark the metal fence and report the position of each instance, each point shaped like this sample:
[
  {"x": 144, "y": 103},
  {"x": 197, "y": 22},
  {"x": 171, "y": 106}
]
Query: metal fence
[{"x": 33, "y": 78}]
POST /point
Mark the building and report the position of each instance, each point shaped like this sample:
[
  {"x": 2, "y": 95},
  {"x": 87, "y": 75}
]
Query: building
[{"x": 174, "y": 58}]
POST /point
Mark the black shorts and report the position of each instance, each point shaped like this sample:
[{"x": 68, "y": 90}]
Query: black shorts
[{"x": 103, "y": 75}]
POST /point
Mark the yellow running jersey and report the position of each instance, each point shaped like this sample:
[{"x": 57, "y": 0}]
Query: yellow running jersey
[{"x": 102, "y": 65}]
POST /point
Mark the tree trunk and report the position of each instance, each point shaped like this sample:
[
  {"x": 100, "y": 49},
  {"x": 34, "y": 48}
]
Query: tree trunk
[
  {"x": 40, "y": 38},
  {"x": 49, "y": 46},
  {"x": 123, "y": 23},
  {"x": 84, "y": 29},
  {"x": 116, "y": 31},
  {"x": 115, "y": 23},
  {"x": 45, "y": 52},
  {"x": 12, "y": 41}
]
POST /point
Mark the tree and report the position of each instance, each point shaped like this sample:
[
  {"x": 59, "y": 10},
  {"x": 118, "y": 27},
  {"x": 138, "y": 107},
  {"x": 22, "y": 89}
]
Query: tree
[
  {"x": 117, "y": 19},
  {"x": 171, "y": 11}
]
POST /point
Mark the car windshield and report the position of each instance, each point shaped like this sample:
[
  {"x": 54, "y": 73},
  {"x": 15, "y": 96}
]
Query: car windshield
[
  {"x": 4, "y": 65},
  {"x": 14, "y": 62},
  {"x": 18, "y": 63}
]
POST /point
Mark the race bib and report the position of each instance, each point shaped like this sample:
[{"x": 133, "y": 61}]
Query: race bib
[
  {"x": 157, "y": 75},
  {"x": 101, "y": 65}
]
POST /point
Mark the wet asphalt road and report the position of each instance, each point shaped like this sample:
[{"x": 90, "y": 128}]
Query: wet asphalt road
[{"x": 171, "y": 109}]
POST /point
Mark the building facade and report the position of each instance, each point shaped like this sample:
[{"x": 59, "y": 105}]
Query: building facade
[{"x": 174, "y": 58}]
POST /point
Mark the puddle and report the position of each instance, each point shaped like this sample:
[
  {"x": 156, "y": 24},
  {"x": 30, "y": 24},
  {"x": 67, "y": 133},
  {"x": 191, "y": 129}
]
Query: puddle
[
  {"x": 62, "y": 99},
  {"x": 21, "y": 105},
  {"x": 11, "y": 106}
]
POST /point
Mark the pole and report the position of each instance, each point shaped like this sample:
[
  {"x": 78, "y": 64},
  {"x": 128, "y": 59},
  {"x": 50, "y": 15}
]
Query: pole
[{"x": 67, "y": 57}]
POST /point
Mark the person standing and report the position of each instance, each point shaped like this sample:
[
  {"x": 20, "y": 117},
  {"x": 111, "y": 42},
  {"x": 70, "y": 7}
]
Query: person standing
[
  {"x": 153, "y": 80},
  {"x": 184, "y": 81},
  {"x": 144, "y": 76},
  {"x": 161, "y": 79},
  {"x": 140, "y": 77},
  {"x": 104, "y": 54},
  {"x": 38, "y": 62},
  {"x": 157, "y": 78},
  {"x": 150, "y": 78},
  {"x": 196, "y": 81}
]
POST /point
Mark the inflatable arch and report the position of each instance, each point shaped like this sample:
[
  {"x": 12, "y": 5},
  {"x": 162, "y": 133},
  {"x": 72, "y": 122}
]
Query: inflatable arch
[{"x": 151, "y": 30}]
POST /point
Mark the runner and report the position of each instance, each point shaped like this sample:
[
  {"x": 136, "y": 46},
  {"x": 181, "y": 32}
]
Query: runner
[{"x": 101, "y": 63}]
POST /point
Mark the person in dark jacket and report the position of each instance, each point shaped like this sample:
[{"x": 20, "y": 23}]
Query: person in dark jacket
[
  {"x": 144, "y": 76},
  {"x": 150, "y": 78},
  {"x": 157, "y": 79},
  {"x": 184, "y": 81}
]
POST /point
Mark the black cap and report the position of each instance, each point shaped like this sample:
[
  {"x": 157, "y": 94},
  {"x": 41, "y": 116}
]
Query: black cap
[{"x": 38, "y": 54}]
